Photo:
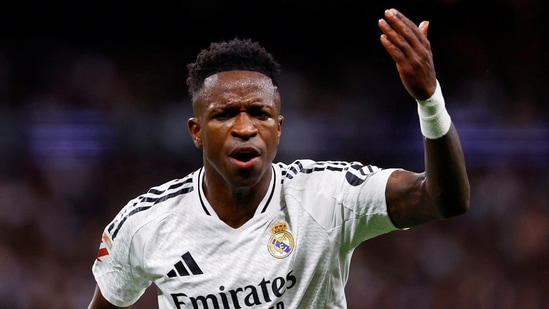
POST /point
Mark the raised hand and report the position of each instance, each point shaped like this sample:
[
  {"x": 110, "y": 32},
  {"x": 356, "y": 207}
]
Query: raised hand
[{"x": 409, "y": 47}]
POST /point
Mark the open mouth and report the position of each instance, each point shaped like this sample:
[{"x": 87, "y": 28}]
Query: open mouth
[{"x": 245, "y": 155}]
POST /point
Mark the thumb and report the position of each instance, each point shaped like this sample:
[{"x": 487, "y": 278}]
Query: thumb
[{"x": 424, "y": 27}]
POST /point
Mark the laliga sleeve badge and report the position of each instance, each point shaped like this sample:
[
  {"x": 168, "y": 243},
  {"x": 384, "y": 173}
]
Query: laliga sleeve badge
[
  {"x": 104, "y": 247},
  {"x": 281, "y": 243}
]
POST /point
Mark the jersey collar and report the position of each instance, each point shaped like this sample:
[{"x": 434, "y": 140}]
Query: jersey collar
[{"x": 263, "y": 205}]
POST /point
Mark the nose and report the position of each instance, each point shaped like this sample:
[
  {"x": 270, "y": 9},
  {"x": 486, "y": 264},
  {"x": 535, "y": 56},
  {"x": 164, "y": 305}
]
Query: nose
[{"x": 244, "y": 126}]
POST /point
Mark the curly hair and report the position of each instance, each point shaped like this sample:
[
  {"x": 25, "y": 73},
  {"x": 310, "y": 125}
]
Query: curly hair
[{"x": 236, "y": 54}]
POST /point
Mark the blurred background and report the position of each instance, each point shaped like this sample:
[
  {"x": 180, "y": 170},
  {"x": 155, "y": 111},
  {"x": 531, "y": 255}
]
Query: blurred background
[{"x": 93, "y": 110}]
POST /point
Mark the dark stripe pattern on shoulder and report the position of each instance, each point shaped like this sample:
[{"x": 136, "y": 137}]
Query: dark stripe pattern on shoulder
[
  {"x": 153, "y": 197},
  {"x": 356, "y": 173}
]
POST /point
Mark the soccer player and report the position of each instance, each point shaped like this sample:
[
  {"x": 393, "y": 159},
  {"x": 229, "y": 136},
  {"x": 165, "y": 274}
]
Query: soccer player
[{"x": 245, "y": 232}]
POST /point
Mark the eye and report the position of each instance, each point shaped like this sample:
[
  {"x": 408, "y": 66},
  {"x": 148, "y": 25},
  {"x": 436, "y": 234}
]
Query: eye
[
  {"x": 223, "y": 114},
  {"x": 259, "y": 112}
]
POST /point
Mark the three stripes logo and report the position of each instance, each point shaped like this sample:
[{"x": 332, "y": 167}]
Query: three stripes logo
[{"x": 185, "y": 267}]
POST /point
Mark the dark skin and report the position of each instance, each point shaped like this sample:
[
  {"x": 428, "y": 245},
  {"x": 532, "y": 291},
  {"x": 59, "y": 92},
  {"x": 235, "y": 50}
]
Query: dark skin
[
  {"x": 237, "y": 124},
  {"x": 442, "y": 191}
]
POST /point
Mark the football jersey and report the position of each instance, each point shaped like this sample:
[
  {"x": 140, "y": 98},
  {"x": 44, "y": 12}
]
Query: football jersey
[{"x": 295, "y": 251}]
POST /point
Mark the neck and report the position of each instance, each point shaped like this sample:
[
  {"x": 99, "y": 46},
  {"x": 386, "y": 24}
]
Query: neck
[{"x": 235, "y": 205}]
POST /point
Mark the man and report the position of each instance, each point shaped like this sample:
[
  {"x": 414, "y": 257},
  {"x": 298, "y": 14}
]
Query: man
[{"x": 244, "y": 232}]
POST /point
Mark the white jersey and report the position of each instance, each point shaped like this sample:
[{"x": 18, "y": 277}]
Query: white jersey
[{"x": 294, "y": 253}]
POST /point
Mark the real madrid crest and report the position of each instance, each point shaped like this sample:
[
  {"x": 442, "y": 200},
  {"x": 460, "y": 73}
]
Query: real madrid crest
[{"x": 281, "y": 243}]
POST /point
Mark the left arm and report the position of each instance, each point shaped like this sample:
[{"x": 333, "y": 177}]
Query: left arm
[{"x": 442, "y": 191}]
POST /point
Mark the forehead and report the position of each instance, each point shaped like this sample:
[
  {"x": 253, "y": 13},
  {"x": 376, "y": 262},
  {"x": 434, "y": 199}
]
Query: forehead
[{"x": 237, "y": 84}]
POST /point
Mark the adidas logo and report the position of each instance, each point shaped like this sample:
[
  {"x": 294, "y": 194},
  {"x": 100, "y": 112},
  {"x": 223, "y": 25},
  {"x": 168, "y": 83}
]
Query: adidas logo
[{"x": 185, "y": 267}]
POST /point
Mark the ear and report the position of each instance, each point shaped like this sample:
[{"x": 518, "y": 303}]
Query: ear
[
  {"x": 280, "y": 120},
  {"x": 194, "y": 129}
]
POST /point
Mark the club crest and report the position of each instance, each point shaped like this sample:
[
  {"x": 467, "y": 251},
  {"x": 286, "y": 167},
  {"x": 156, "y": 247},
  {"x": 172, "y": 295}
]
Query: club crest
[{"x": 281, "y": 242}]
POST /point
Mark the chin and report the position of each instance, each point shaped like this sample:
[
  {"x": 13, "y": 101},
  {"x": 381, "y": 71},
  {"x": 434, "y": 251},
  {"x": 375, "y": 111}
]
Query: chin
[{"x": 248, "y": 178}]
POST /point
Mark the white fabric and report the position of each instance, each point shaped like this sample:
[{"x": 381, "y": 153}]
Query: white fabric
[
  {"x": 323, "y": 211},
  {"x": 434, "y": 119}
]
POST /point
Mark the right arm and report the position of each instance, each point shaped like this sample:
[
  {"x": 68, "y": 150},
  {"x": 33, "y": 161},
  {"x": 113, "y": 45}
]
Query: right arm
[
  {"x": 99, "y": 302},
  {"x": 442, "y": 191}
]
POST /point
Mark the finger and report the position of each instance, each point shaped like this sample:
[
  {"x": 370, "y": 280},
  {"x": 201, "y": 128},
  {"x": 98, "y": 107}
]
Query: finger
[
  {"x": 397, "y": 30},
  {"x": 391, "y": 34},
  {"x": 388, "y": 42},
  {"x": 404, "y": 32},
  {"x": 393, "y": 50},
  {"x": 424, "y": 27},
  {"x": 395, "y": 16}
]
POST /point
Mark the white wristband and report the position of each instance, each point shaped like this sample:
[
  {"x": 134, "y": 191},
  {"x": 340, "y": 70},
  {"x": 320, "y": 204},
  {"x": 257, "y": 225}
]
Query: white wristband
[{"x": 434, "y": 119}]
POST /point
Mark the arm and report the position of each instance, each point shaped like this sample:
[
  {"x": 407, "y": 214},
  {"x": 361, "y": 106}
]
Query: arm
[
  {"x": 99, "y": 302},
  {"x": 442, "y": 191}
]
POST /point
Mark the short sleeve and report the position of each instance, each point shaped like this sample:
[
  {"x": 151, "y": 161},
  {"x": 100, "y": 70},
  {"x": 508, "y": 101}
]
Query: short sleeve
[{"x": 116, "y": 269}]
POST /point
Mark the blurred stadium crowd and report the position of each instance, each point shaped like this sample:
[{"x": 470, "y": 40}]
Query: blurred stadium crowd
[{"x": 83, "y": 130}]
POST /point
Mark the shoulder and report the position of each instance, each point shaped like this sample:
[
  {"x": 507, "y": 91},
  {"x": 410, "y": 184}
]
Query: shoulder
[
  {"x": 354, "y": 173},
  {"x": 158, "y": 202}
]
